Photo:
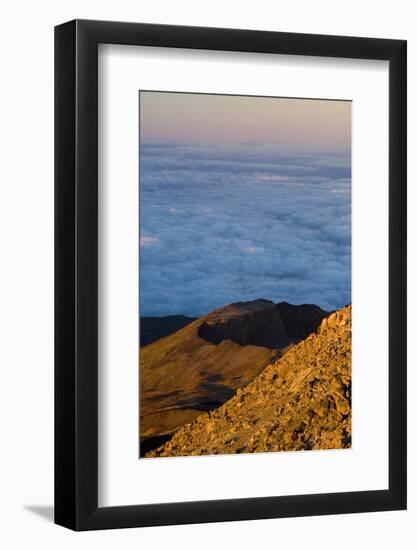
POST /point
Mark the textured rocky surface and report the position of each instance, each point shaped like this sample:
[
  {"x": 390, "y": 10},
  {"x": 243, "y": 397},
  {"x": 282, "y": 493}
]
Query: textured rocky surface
[
  {"x": 197, "y": 369},
  {"x": 299, "y": 401}
]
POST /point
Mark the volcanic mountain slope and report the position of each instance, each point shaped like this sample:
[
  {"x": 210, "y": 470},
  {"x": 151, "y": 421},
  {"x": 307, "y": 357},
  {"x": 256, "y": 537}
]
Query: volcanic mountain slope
[
  {"x": 200, "y": 366},
  {"x": 155, "y": 328},
  {"x": 301, "y": 401}
]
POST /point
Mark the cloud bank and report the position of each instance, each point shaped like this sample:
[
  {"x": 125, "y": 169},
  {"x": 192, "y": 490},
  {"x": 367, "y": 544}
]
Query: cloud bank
[{"x": 236, "y": 223}]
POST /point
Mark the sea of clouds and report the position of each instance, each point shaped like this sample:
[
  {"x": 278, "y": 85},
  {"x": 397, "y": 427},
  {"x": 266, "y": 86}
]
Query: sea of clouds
[{"x": 221, "y": 224}]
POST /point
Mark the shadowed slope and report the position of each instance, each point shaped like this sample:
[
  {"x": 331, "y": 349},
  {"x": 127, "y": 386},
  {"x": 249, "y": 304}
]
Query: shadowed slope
[{"x": 262, "y": 323}]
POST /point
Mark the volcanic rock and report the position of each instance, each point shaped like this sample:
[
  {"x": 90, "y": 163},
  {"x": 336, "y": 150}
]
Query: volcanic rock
[{"x": 301, "y": 401}]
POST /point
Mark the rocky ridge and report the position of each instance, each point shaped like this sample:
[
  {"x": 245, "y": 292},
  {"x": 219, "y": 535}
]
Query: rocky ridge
[{"x": 301, "y": 400}]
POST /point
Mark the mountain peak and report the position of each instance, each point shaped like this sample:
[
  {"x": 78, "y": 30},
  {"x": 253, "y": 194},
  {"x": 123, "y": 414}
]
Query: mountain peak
[{"x": 261, "y": 323}]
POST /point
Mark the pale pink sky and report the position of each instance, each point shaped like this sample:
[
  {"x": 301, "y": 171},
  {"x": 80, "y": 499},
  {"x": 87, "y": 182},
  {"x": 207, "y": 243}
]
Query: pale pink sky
[{"x": 199, "y": 118}]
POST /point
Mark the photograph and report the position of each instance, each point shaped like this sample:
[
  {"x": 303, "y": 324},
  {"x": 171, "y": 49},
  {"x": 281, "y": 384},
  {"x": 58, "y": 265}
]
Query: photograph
[
  {"x": 245, "y": 274},
  {"x": 215, "y": 344}
]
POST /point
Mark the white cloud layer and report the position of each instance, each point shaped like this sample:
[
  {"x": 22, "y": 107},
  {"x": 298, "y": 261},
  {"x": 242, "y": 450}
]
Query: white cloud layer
[{"x": 226, "y": 224}]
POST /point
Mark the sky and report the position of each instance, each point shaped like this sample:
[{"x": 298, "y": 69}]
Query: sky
[
  {"x": 243, "y": 198},
  {"x": 301, "y": 124}
]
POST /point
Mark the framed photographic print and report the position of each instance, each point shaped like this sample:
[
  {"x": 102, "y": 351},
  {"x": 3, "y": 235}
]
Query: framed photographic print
[{"x": 230, "y": 338}]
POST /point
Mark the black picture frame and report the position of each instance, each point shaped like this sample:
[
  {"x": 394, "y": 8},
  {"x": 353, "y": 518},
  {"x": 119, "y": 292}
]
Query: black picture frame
[{"x": 76, "y": 272}]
